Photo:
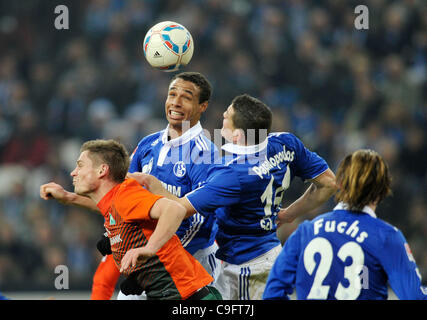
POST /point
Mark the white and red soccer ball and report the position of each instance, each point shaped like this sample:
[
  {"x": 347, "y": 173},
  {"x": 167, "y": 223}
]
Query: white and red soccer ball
[{"x": 168, "y": 46}]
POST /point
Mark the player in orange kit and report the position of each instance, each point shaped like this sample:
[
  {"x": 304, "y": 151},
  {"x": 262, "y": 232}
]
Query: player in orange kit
[{"x": 136, "y": 218}]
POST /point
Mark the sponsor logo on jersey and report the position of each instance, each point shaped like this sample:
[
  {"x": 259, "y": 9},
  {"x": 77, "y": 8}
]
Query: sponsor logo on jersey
[
  {"x": 175, "y": 190},
  {"x": 115, "y": 239}
]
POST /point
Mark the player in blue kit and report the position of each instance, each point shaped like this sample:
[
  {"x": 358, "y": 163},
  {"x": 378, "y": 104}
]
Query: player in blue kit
[
  {"x": 246, "y": 191},
  {"x": 348, "y": 253},
  {"x": 179, "y": 156}
]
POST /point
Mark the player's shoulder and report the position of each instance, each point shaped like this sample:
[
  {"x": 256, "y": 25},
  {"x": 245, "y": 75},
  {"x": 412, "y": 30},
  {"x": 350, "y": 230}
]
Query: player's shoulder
[
  {"x": 282, "y": 135},
  {"x": 283, "y": 138},
  {"x": 203, "y": 144},
  {"x": 131, "y": 189},
  {"x": 128, "y": 187},
  {"x": 151, "y": 138},
  {"x": 147, "y": 142},
  {"x": 131, "y": 195},
  {"x": 388, "y": 230}
]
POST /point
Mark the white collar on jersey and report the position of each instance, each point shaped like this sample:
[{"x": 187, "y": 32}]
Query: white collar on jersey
[
  {"x": 366, "y": 209},
  {"x": 187, "y": 136},
  {"x": 237, "y": 149}
]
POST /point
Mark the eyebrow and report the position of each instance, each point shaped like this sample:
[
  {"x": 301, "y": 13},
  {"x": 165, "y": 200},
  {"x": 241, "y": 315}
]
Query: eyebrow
[{"x": 186, "y": 90}]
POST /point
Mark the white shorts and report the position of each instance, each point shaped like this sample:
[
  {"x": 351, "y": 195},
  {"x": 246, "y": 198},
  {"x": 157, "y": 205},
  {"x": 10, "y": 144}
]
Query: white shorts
[
  {"x": 207, "y": 259},
  {"x": 246, "y": 281}
]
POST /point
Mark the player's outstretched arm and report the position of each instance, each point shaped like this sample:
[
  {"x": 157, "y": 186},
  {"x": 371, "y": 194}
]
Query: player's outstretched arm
[
  {"x": 55, "y": 191},
  {"x": 155, "y": 186},
  {"x": 321, "y": 189},
  {"x": 169, "y": 215}
]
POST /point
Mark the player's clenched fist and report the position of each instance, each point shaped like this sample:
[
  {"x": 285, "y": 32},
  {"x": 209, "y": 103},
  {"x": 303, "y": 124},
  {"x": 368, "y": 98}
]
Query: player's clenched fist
[{"x": 53, "y": 190}]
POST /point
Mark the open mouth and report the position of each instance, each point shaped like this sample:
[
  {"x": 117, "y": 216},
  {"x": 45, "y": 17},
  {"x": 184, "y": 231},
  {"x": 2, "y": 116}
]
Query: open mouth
[{"x": 176, "y": 115}]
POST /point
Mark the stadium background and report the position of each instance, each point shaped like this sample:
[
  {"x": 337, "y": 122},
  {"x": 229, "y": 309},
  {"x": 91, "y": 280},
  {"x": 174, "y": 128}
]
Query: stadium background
[{"x": 335, "y": 87}]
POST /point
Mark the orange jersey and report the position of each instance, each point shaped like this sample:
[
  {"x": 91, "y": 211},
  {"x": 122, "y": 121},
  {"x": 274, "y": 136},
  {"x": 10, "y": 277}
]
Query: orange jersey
[{"x": 126, "y": 210}]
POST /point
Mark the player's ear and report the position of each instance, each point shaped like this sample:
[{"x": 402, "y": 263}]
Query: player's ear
[
  {"x": 203, "y": 106},
  {"x": 103, "y": 170},
  {"x": 239, "y": 136}
]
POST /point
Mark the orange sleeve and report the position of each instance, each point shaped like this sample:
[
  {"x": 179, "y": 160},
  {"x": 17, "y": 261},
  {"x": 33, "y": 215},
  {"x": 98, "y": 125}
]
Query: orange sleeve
[
  {"x": 134, "y": 202},
  {"x": 105, "y": 279}
]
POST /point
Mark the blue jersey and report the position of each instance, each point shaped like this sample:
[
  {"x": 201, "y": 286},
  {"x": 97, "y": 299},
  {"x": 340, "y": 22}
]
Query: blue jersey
[
  {"x": 246, "y": 191},
  {"x": 345, "y": 255},
  {"x": 181, "y": 165}
]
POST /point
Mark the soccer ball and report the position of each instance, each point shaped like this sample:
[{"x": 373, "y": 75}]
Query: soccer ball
[{"x": 168, "y": 46}]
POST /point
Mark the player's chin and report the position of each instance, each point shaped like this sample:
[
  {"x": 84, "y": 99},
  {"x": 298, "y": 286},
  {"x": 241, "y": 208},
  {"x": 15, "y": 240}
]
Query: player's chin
[
  {"x": 80, "y": 191},
  {"x": 175, "y": 121}
]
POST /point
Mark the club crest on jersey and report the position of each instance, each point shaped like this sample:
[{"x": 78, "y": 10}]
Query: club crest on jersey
[
  {"x": 112, "y": 221},
  {"x": 179, "y": 169}
]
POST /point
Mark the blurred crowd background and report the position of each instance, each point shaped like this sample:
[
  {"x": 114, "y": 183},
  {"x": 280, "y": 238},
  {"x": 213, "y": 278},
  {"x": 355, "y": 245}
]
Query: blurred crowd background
[{"x": 337, "y": 88}]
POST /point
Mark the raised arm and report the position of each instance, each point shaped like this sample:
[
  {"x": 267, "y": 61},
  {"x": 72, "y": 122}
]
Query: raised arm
[
  {"x": 321, "y": 189},
  {"x": 55, "y": 191}
]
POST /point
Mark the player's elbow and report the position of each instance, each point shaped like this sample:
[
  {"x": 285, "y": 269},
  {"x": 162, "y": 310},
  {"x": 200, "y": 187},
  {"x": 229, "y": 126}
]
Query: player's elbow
[
  {"x": 175, "y": 209},
  {"x": 328, "y": 182}
]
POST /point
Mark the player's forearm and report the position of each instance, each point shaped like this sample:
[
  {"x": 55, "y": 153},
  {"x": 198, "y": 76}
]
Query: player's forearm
[
  {"x": 80, "y": 201},
  {"x": 182, "y": 201},
  {"x": 167, "y": 225},
  {"x": 312, "y": 198}
]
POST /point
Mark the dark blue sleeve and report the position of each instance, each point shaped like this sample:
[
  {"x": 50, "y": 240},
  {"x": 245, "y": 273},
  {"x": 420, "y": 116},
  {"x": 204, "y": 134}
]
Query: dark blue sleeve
[
  {"x": 281, "y": 280},
  {"x": 221, "y": 189},
  {"x": 307, "y": 164},
  {"x": 399, "y": 264}
]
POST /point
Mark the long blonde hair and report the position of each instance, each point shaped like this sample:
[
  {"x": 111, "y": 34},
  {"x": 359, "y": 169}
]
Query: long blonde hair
[{"x": 363, "y": 178}]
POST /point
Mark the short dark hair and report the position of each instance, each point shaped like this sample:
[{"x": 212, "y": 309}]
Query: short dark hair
[
  {"x": 251, "y": 113},
  {"x": 110, "y": 152},
  {"x": 200, "y": 81}
]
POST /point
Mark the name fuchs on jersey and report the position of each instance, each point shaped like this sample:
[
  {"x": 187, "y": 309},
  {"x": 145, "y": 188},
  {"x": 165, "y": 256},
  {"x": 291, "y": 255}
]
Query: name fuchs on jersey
[{"x": 272, "y": 162}]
